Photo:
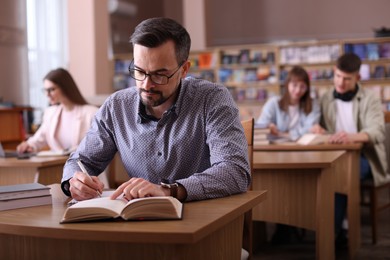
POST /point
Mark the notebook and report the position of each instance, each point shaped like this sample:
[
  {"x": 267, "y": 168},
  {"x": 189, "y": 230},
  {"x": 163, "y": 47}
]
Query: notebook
[{"x": 10, "y": 154}]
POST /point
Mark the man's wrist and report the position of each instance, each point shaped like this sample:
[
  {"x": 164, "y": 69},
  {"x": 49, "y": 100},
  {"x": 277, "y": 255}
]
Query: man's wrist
[
  {"x": 65, "y": 187},
  {"x": 176, "y": 190}
]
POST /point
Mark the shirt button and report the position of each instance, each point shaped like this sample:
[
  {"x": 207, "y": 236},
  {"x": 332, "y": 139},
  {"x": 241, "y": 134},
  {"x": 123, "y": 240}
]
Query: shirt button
[{"x": 159, "y": 153}]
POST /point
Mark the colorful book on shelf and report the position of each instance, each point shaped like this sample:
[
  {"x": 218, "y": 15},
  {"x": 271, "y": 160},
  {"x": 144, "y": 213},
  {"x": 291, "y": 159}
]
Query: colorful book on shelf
[
  {"x": 244, "y": 57},
  {"x": 360, "y": 50},
  {"x": 225, "y": 75},
  {"x": 205, "y": 60},
  {"x": 365, "y": 72},
  {"x": 384, "y": 50},
  {"x": 372, "y": 51},
  {"x": 379, "y": 72},
  {"x": 149, "y": 208}
]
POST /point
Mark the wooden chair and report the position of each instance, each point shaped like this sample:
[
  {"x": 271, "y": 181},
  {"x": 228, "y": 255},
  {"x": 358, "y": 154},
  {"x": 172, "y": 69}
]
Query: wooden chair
[
  {"x": 247, "y": 243},
  {"x": 368, "y": 188}
]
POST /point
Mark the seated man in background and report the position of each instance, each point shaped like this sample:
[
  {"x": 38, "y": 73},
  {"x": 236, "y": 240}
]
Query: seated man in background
[
  {"x": 351, "y": 113},
  {"x": 176, "y": 136}
]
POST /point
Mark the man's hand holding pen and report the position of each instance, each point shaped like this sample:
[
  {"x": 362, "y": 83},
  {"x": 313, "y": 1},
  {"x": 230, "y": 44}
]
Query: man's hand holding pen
[{"x": 83, "y": 186}]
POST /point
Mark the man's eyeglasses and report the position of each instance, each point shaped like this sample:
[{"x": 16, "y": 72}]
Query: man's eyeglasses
[
  {"x": 49, "y": 90},
  {"x": 159, "y": 79}
]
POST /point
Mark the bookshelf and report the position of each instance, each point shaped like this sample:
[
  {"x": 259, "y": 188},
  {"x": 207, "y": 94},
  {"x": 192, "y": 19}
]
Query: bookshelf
[
  {"x": 250, "y": 72},
  {"x": 375, "y": 69},
  {"x": 204, "y": 64},
  {"x": 15, "y": 125},
  {"x": 317, "y": 57},
  {"x": 121, "y": 78},
  {"x": 253, "y": 73}
]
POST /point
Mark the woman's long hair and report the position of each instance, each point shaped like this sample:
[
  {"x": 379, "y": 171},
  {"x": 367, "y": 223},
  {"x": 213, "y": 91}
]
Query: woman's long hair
[
  {"x": 305, "y": 103},
  {"x": 65, "y": 82}
]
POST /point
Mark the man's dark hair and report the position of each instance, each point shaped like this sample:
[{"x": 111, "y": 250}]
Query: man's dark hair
[
  {"x": 154, "y": 32},
  {"x": 349, "y": 62}
]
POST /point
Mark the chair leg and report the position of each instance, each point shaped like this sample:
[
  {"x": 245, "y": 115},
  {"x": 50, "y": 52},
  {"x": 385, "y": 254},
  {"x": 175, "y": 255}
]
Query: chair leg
[
  {"x": 247, "y": 242},
  {"x": 374, "y": 215}
]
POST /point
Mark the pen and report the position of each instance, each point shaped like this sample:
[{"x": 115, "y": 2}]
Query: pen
[{"x": 81, "y": 165}]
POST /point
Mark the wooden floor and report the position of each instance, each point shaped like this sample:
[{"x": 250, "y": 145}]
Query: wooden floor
[{"x": 306, "y": 248}]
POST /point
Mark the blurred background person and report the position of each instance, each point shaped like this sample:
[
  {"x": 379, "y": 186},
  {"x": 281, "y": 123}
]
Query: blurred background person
[
  {"x": 294, "y": 113},
  {"x": 66, "y": 120}
]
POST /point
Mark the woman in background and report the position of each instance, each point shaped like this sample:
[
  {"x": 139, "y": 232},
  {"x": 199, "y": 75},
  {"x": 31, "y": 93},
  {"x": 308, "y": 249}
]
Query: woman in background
[
  {"x": 294, "y": 113},
  {"x": 291, "y": 116},
  {"x": 66, "y": 120}
]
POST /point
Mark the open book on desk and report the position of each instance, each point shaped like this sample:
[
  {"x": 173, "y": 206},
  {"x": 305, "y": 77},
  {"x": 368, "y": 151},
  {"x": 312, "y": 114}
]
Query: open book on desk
[
  {"x": 312, "y": 139},
  {"x": 148, "y": 208}
]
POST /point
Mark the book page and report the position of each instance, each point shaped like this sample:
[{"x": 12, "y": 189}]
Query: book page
[
  {"x": 153, "y": 208},
  {"x": 97, "y": 208},
  {"x": 307, "y": 139}
]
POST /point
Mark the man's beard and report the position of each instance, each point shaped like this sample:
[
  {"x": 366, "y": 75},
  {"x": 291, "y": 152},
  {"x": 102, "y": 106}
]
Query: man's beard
[{"x": 149, "y": 101}]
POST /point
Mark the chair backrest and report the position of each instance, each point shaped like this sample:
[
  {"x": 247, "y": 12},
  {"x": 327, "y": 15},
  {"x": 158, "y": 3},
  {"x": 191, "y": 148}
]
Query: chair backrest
[
  {"x": 248, "y": 126},
  {"x": 387, "y": 143},
  {"x": 386, "y": 114}
]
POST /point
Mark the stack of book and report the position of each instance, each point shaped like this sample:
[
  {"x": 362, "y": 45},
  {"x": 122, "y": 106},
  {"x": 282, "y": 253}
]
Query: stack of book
[
  {"x": 260, "y": 136},
  {"x": 263, "y": 136},
  {"x": 24, "y": 195}
]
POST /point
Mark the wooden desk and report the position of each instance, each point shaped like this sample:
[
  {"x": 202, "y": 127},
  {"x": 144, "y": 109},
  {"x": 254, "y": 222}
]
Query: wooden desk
[
  {"x": 347, "y": 182},
  {"x": 45, "y": 170},
  {"x": 210, "y": 229},
  {"x": 300, "y": 192}
]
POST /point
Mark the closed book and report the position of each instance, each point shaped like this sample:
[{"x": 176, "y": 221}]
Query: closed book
[
  {"x": 25, "y": 202},
  {"x": 157, "y": 208},
  {"x": 26, "y": 190},
  {"x": 51, "y": 153}
]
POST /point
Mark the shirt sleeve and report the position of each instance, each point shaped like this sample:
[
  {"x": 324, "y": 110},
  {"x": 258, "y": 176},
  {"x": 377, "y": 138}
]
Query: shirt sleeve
[
  {"x": 229, "y": 172},
  {"x": 268, "y": 112},
  {"x": 96, "y": 149},
  {"x": 306, "y": 121}
]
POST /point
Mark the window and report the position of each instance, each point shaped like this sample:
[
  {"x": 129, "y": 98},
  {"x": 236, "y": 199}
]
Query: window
[{"x": 47, "y": 46}]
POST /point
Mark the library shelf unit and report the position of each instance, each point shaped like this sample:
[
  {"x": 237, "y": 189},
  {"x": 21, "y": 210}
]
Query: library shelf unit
[
  {"x": 318, "y": 59},
  {"x": 15, "y": 125},
  {"x": 121, "y": 78},
  {"x": 250, "y": 72},
  {"x": 203, "y": 64},
  {"x": 253, "y": 73},
  {"x": 375, "y": 69}
]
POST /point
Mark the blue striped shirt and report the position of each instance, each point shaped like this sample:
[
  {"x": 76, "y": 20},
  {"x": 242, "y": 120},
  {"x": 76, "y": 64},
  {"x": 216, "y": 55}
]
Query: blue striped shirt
[{"x": 199, "y": 142}]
